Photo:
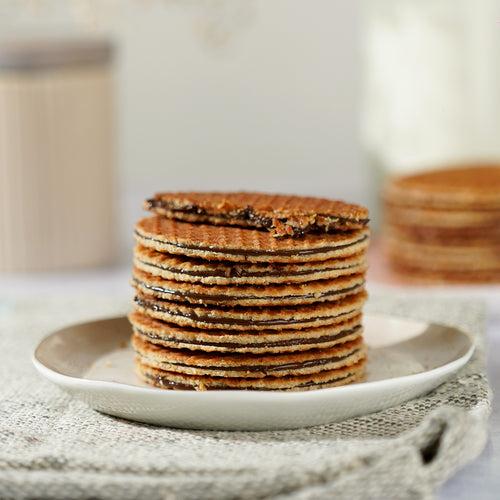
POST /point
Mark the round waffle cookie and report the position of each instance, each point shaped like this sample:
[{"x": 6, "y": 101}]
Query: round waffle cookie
[
  {"x": 454, "y": 259},
  {"x": 248, "y": 365},
  {"x": 445, "y": 236},
  {"x": 422, "y": 275},
  {"x": 482, "y": 220},
  {"x": 192, "y": 270},
  {"x": 244, "y": 245},
  {"x": 461, "y": 188},
  {"x": 282, "y": 215},
  {"x": 250, "y": 318},
  {"x": 247, "y": 295},
  {"x": 320, "y": 380},
  {"x": 175, "y": 336}
]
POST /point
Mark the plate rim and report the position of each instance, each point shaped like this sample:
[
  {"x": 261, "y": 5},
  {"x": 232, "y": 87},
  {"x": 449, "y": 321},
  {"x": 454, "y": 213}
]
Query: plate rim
[{"x": 69, "y": 381}]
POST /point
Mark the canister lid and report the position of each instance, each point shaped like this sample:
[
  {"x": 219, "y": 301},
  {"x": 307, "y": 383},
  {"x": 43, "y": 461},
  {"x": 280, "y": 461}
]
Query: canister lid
[{"x": 33, "y": 54}]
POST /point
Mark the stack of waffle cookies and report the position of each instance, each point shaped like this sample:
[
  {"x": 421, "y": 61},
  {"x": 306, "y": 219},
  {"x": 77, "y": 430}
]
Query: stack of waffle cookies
[
  {"x": 444, "y": 225},
  {"x": 249, "y": 291}
]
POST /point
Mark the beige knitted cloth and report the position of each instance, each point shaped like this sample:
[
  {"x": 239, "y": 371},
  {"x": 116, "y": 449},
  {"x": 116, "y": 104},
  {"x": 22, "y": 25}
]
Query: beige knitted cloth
[{"x": 52, "y": 446}]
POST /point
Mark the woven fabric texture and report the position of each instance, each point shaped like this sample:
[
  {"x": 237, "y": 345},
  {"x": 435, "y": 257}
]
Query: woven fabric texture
[{"x": 52, "y": 446}]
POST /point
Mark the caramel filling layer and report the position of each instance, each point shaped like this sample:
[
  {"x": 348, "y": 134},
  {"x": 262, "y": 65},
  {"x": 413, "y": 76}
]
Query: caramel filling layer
[
  {"x": 163, "y": 381},
  {"x": 232, "y": 251},
  {"x": 229, "y": 298},
  {"x": 231, "y": 321},
  {"x": 236, "y": 273},
  {"x": 278, "y": 343},
  {"x": 265, "y": 368}
]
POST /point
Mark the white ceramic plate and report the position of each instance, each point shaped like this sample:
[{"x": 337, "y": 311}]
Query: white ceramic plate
[{"x": 93, "y": 361}]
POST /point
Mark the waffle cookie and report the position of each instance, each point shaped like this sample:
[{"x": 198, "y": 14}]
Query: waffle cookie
[
  {"x": 483, "y": 220},
  {"x": 320, "y": 380},
  {"x": 347, "y": 328},
  {"x": 444, "y": 225},
  {"x": 448, "y": 258},
  {"x": 417, "y": 275},
  {"x": 446, "y": 236},
  {"x": 282, "y": 215},
  {"x": 247, "y": 295},
  {"x": 210, "y": 272},
  {"x": 250, "y": 318},
  {"x": 223, "y": 303},
  {"x": 465, "y": 188},
  {"x": 243, "y": 244},
  {"x": 244, "y": 365}
]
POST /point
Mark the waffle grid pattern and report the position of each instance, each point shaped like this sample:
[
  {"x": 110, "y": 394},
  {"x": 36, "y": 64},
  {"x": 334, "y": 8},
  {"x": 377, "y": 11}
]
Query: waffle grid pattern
[{"x": 221, "y": 307}]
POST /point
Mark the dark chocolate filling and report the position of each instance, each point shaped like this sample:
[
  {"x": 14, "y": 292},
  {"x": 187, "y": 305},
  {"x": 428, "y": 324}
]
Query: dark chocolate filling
[
  {"x": 163, "y": 381},
  {"x": 238, "y": 272},
  {"x": 230, "y": 321},
  {"x": 278, "y": 343},
  {"x": 228, "y": 298},
  {"x": 248, "y": 216},
  {"x": 230, "y": 251}
]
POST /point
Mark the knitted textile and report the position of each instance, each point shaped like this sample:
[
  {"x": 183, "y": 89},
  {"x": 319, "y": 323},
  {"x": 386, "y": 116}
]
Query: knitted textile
[{"x": 52, "y": 446}]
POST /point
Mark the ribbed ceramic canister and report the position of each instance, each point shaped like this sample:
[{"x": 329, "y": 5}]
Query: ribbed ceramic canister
[{"x": 56, "y": 155}]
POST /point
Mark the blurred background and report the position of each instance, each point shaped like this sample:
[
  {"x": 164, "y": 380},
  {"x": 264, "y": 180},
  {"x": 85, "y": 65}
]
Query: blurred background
[{"x": 106, "y": 102}]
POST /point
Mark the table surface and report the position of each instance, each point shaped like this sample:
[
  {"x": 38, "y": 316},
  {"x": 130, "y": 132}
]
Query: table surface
[{"x": 480, "y": 478}]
